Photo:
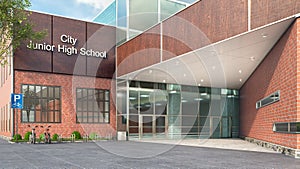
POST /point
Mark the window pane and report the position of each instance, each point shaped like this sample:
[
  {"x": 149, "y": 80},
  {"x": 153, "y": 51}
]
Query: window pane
[
  {"x": 90, "y": 117},
  {"x": 96, "y": 117},
  {"x": 79, "y": 106},
  {"x": 91, "y": 93},
  {"x": 38, "y": 105},
  {"x": 106, "y": 106},
  {"x": 38, "y": 116},
  {"x": 79, "y": 93},
  {"x": 57, "y": 104},
  {"x": 84, "y": 93},
  {"x": 24, "y": 116},
  {"x": 102, "y": 116},
  {"x": 84, "y": 119},
  {"x": 44, "y": 92},
  {"x": 295, "y": 127},
  {"x": 106, "y": 117},
  {"x": 79, "y": 116},
  {"x": 139, "y": 10},
  {"x": 106, "y": 95},
  {"x": 24, "y": 88},
  {"x": 38, "y": 91},
  {"x": 84, "y": 105},
  {"x": 168, "y": 8},
  {"x": 282, "y": 127},
  {"x": 90, "y": 105},
  {"x": 93, "y": 101},
  {"x": 31, "y": 88},
  {"x": 50, "y": 117},
  {"x": 51, "y": 105},
  {"x": 57, "y": 92},
  {"x": 42, "y": 103},
  {"x": 50, "y": 90},
  {"x": 96, "y": 107},
  {"x": 57, "y": 116},
  {"x": 101, "y": 95},
  {"x": 100, "y": 105}
]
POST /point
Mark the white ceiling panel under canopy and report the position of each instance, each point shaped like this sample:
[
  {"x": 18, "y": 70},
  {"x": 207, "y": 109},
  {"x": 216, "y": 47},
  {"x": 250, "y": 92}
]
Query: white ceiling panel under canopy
[{"x": 225, "y": 64}]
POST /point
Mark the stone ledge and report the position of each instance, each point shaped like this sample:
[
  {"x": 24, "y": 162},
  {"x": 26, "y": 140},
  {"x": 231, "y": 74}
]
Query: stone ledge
[{"x": 278, "y": 148}]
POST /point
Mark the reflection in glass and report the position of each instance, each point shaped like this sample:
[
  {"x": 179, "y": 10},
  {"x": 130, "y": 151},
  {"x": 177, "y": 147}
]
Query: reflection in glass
[
  {"x": 39, "y": 104},
  {"x": 187, "y": 111},
  {"x": 92, "y": 106}
]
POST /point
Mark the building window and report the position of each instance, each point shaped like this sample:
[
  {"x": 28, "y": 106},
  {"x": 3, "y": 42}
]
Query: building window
[
  {"x": 272, "y": 98},
  {"x": 287, "y": 127},
  {"x": 92, "y": 105},
  {"x": 42, "y": 104}
]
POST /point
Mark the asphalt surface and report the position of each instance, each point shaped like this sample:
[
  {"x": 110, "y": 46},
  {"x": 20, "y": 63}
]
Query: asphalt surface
[{"x": 112, "y": 154}]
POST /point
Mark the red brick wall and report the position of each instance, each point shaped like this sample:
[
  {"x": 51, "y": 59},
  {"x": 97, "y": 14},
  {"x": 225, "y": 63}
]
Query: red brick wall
[
  {"x": 278, "y": 71},
  {"x": 68, "y": 90},
  {"x": 267, "y": 11},
  {"x": 298, "y": 78}
]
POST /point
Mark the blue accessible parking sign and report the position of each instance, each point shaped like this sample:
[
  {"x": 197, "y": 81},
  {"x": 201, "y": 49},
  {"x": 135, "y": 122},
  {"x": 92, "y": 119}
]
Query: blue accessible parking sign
[{"x": 16, "y": 101}]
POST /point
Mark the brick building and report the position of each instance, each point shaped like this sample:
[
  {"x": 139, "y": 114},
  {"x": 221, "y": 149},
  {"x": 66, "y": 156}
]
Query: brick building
[{"x": 65, "y": 87}]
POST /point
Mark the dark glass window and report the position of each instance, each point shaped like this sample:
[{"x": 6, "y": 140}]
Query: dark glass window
[
  {"x": 287, "y": 127},
  {"x": 147, "y": 85},
  {"x": 41, "y": 104},
  {"x": 92, "y": 105},
  {"x": 295, "y": 127},
  {"x": 281, "y": 127},
  {"x": 274, "y": 97}
]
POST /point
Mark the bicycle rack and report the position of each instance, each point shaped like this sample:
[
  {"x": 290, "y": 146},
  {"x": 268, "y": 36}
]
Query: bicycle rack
[{"x": 72, "y": 138}]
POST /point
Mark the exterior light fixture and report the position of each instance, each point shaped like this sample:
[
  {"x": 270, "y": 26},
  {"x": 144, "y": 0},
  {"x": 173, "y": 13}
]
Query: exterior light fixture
[{"x": 252, "y": 58}]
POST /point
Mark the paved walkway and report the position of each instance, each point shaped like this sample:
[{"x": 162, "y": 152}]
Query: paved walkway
[
  {"x": 230, "y": 144},
  {"x": 135, "y": 155},
  {"x": 2, "y": 141}
]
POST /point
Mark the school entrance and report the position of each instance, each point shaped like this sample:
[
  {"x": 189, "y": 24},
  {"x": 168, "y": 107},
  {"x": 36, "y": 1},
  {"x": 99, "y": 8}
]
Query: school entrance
[{"x": 171, "y": 111}]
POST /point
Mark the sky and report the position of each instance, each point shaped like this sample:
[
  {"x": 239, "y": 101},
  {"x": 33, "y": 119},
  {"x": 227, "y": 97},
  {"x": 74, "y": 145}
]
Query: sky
[{"x": 78, "y": 9}]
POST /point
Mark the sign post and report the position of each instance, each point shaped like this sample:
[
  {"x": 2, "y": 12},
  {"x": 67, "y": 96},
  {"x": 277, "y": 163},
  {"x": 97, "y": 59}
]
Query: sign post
[{"x": 16, "y": 103}]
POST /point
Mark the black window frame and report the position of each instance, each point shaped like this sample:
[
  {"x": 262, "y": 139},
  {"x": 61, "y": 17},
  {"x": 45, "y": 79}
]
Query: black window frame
[
  {"x": 83, "y": 114},
  {"x": 47, "y": 98}
]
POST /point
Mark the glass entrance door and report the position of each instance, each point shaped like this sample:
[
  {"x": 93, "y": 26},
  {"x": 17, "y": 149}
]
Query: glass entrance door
[
  {"x": 152, "y": 126},
  {"x": 220, "y": 127},
  {"x": 226, "y": 127},
  {"x": 215, "y": 127}
]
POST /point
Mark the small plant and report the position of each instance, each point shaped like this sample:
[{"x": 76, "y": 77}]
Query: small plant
[
  {"x": 26, "y": 136},
  {"x": 55, "y": 137},
  {"x": 77, "y": 135},
  {"x": 42, "y": 137},
  {"x": 17, "y": 137},
  {"x": 93, "y": 136}
]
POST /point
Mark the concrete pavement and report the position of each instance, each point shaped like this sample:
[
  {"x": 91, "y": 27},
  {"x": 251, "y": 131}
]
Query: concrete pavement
[
  {"x": 130, "y": 154},
  {"x": 230, "y": 144}
]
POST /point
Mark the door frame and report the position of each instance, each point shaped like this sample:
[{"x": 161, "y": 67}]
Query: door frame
[{"x": 154, "y": 117}]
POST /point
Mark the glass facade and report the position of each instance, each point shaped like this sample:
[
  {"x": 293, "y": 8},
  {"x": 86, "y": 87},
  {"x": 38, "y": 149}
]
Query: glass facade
[
  {"x": 108, "y": 16},
  {"x": 175, "y": 111},
  {"x": 129, "y": 15}
]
